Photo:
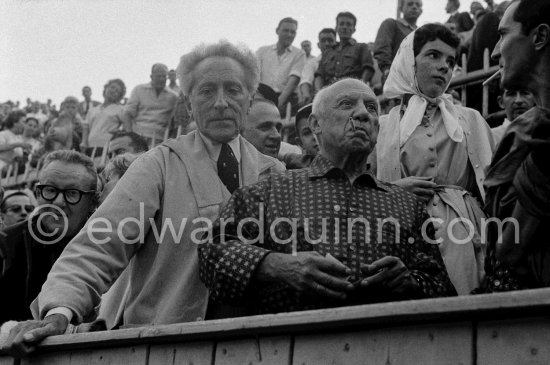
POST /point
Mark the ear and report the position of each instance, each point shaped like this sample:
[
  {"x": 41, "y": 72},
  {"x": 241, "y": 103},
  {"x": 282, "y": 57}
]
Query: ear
[
  {"x": 500, "y": 102},
  {"x": 314, "y": 124},
  {"x": 187, "y": 104},
  {"x": 541, "y": 36}
]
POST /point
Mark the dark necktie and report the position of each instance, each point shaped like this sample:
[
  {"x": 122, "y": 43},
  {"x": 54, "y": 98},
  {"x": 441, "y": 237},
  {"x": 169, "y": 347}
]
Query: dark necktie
[{"x": 228, "y": 168}]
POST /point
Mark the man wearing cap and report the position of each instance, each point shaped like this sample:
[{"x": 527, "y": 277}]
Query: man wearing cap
[{"x": 304, "y": 138}]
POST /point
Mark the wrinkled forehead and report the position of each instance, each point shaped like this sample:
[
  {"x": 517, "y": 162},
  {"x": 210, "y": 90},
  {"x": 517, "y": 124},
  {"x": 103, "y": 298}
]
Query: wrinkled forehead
[
  {"x": 16, "y": 200},
  {"x": 216, "y": 69},
  {"x": 65, "y": 175},
  {"x": 352, "y": 88}
]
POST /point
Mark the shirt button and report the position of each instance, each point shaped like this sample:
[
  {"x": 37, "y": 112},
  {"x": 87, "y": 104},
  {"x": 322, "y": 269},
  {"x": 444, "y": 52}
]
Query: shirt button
[
  {"x": 351, "y": 248},
  {"x": 336, "y": 208},
  {"x": 432, "y": 164},
  {"x": 431, "y": 148},
  {"x": 496, "y": 282},
  {"x": 477, "y": 166},
  {"x": 429, "y": 134},
  {"x": 352, "y": 209}
]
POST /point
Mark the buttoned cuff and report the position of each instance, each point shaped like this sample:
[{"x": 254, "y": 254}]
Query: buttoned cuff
[{"x": 61, "y": 310}]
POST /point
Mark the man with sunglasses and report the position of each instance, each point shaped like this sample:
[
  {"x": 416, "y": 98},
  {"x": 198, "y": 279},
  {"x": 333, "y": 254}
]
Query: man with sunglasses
[
  {"x": 15, "y": 207},
  {"x": 66, "y": 195}
]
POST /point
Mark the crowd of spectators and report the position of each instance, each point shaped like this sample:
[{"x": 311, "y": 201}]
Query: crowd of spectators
[{"x": 419, "y": 156}]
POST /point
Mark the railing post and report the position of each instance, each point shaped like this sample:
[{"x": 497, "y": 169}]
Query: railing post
[
  {"x": 464, "y": 72},
  {"x": 485, "y": 105}
]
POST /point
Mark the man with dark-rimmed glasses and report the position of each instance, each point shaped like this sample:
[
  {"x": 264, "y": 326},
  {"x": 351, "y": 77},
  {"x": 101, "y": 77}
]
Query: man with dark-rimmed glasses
[{"x": 66, "y": 194}]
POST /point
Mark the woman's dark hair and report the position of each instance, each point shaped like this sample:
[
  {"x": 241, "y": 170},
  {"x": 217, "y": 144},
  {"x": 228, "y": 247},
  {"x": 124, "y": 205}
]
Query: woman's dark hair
[
  {"x": 120, "y": 83},
  {"x": 13, "y": 118},
  {"x": 431, "y": 32}
]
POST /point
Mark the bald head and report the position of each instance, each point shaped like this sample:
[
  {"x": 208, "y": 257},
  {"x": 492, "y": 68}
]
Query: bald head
[
  {"x": 345, "y": 119},
  {"x": 262, "y": 127},
  {"x": 322, "y": 99}
]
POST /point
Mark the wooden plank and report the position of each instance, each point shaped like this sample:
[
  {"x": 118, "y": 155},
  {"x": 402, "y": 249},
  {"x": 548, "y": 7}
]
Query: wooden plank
[
  {"x": 514, "y": 342},
  {"x": 263, "y": 350},
  {"x": 437, "y": 344},
  {"x": 191, "y": 353},
  {"x": 7, "y": 360},
  {"x": 528, "y": 303},
  {"x": 48, "y": 359},
  {"x": 135, "y": 355}
]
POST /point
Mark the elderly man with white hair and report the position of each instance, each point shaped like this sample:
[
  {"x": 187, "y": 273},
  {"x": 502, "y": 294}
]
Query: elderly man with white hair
[
  {"x": 160, "y": 208},
  {"x": 324, "y": 242}
]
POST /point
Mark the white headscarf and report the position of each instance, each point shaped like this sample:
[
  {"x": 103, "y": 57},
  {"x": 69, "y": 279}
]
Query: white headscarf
[{"x": 402, "y": 80}]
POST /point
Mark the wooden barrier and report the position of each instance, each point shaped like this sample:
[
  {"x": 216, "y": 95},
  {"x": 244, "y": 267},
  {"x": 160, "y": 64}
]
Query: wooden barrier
[{"x": 501, "y": 329}]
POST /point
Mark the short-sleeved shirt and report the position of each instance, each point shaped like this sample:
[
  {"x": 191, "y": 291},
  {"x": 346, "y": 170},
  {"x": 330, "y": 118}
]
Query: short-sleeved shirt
[
  {"x": 345, "y": 59},
  {"x": 102, "y": 120},
  {"x": 308, "y": 73},
  {"x": 8, "y": 137},
  {"x": 276, "y": 69},
  {"x": 150, "y": 112}
]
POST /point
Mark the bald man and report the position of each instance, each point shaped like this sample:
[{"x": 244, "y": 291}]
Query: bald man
[
  {"x": 263, "y": 127},
  {"x": 319, "y": 257},
  {"x": 149, "y": 110}
]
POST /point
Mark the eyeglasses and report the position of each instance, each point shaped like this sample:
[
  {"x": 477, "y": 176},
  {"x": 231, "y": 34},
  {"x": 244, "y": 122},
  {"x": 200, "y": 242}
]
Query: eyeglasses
[
  {"x": 71, "y": 196},
  {"x": 17, "y": 209}
]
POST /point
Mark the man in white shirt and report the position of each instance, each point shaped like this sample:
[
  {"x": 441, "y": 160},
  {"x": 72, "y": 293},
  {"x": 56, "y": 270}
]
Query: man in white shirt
[{"x": 281, "y": 65}]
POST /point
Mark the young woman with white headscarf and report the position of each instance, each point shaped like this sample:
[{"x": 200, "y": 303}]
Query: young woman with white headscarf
[{"x": 437, "y": 150}]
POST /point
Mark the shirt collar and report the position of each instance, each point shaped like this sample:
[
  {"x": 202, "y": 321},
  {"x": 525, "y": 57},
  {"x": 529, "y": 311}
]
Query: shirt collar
[
  {"x": 404, "y": 22},
  {"x": 322, "y": 167},
  {"x": 150, "y": 86},
  {"x": 213, "y": 148},
  {"x": 287, "y": 49},
  {"x": 351, "y": 42}
]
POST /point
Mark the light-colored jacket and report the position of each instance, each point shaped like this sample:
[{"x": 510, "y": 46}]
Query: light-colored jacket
[{"x": 170, "y": 186}]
